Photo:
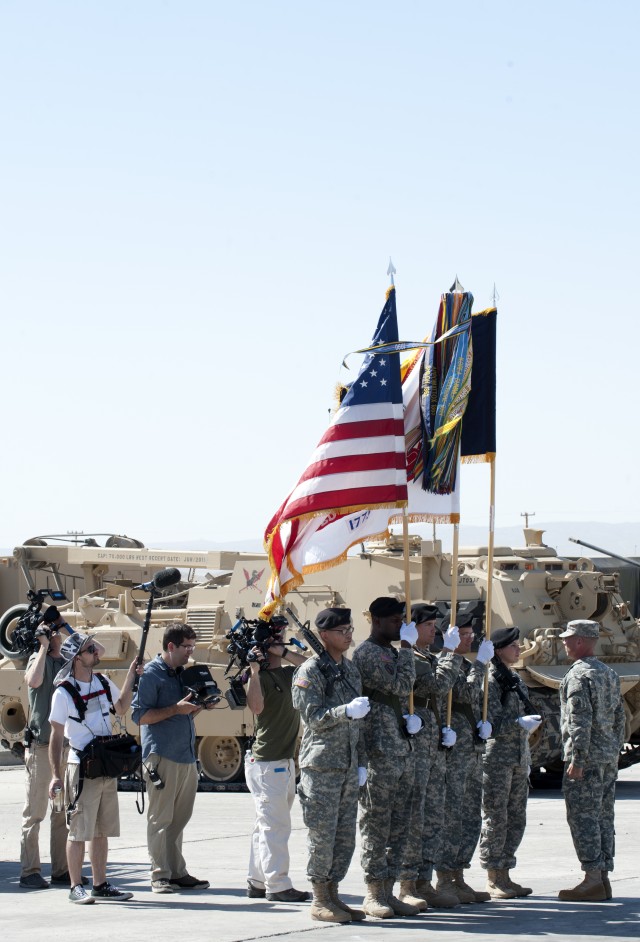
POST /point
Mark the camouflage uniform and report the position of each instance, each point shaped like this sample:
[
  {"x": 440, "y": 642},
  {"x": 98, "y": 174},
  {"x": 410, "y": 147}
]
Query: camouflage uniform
[
  {"x": 434, "y": 677},
  {"x": 330, "y": 752},
  {"x": 386, "y": 672},
  {"x": 463, "y": 794},
  {"x": 592, "y": 722},
  {"x": 505, "y": 776}
]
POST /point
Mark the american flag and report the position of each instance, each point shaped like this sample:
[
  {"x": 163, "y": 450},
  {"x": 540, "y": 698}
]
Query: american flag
[{"x": 356, "y": 477}]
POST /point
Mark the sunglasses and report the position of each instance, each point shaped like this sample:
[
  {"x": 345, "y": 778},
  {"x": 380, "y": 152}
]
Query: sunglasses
[
  {"x": 347, "y": 630},
  {"x": 90, "y": 649}
]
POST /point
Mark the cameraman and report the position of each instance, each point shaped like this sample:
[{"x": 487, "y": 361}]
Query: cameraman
[
  {"x": 165, "y": 716},
  {"x": 269, "y": 767},
  {"x": 42, "y": 667}
]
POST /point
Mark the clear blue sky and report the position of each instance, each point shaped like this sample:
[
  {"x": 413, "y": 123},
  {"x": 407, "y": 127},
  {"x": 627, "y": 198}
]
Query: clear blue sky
[{"x": 198, "y": 203}]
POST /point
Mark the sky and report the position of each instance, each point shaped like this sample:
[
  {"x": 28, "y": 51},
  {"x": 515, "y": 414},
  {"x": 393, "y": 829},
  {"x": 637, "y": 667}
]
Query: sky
[{"x": 198, "y": 202}]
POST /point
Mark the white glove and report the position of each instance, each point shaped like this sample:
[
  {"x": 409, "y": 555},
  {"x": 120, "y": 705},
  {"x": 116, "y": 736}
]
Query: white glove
[
  {"x": 413, "y": 723},
  {"x": 409, "y": 633},
  {"x": 362, "y": 775},
  {"x": 530, "y": 723},
  {"x": 485, "y": 651},
  {"x": 484, "y": 728},
  {"x": 451, "y": 638},
  {"x": 358, "y": 708},
  {"x": 448, "y": 735}
]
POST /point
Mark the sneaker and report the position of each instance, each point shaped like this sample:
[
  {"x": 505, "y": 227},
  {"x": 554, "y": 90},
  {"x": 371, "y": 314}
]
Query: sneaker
[
  {"x": 289, "y": 896},
  {"x": 78, "y": 894},
  {"x": 34, "y": 881},
  {"x": 107, "y": 893},
  {"x": 255, "y": 892},
  {"x": 161, "y": 886},
  {"x": 187, "y": 882},
  {"x": 66, "y": 879}
]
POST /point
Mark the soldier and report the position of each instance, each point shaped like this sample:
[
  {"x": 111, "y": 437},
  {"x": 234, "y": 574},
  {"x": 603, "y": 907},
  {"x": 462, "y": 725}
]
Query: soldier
[
  {"x": 463, "y": 790},
  {"x": 434, "y": 677},
  {"x": 387, "y": 675},
  {"x": 332, "y": 762},
  {"x": 506, "y": 767},
  {"x": 592, "y": 720}
]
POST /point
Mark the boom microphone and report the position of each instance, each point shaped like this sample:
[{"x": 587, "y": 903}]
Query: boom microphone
[{"x": 161, "y": 580}]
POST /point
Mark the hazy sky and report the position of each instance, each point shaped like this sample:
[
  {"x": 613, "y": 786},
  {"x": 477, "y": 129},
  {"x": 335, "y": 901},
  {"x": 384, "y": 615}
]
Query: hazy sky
[{"x": 198, "y": 204}]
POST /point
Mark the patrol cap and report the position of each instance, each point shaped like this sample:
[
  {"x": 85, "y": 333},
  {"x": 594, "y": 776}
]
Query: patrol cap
[
  {"x": 582, "y": 628},
  {"x": 385, "y": 606},
  {"x": 421, "y": 612},
  {"x": 330, "y": 618},
  {"x": 503, "y": 637}
]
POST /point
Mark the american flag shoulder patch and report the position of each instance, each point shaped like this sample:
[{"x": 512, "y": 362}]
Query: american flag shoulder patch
[{"x": 302, "y": 682}]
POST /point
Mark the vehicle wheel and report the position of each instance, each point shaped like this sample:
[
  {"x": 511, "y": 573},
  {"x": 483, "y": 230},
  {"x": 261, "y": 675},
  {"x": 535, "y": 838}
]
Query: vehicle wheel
[
  {"x": 8, "y": 623},
  {"x": 221, "y": 758}
]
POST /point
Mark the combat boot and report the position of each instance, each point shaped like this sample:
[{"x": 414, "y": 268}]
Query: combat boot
[
  {"x": 439, "y": 899},
  {"x": 498, "y": 885},
  {"x": 606, "y": 884},
  {"x": 409, "y": 894},
  {"x": 375, "y": 902},
  {"x": 323, "y": 908},
  {"x": 520, "y": 890},
  {"x": 356, "y": 914},
  {"x": 445, "y": 884},
  {"x": 591, "y": 890},
  {"x": 399, "y": 908},
  {"x": 479, "y": 896}
]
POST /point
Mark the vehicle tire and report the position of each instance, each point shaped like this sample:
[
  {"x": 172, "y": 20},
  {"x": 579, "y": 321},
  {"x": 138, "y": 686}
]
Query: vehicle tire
[
  {"x": 8, "y": 623},
  {"x": 221, "y": 758}
]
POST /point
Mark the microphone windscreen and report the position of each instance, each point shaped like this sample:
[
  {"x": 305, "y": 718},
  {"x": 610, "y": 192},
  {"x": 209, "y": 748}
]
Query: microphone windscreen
[{"x": 166, "y": 577}]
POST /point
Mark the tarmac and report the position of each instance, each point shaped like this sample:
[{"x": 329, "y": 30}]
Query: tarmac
[{"x": 216, "y": 848}]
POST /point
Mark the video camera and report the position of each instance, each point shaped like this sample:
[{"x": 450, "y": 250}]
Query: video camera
[
  {"x": 244, "y": 638},
  {"x": 197, "y": 681},
  {"x": 24, "y": 640}
]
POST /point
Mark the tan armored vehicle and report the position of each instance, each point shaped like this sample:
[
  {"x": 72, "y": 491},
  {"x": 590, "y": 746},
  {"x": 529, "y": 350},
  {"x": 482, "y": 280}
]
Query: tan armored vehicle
[{"x": 532, "y": 588}]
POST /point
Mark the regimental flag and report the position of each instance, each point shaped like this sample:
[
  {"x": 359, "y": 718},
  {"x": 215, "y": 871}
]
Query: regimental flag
[
  {"x": 355, "y": 479},
  {"x": 478, "y": 441}
]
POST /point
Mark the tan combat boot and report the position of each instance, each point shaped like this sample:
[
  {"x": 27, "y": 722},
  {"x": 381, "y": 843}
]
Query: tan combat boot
[
  {"x": 520, "y": 890},
  {"x": 439, "y": 899},
  {"x": 591, "y": 890},
  {"x": 606, "y": 884},
  {"x": 356, "y": 914},
  {"x": 445, "y": 884},
  {"x": 375, "y": 902},
  {"x": 399, "y": 908},
  {"x": 409, "y": 894},
  {"x": 498, "y": 886},
  {"x": 479, "y": 896},
  {"x": 323, "y": 908}
]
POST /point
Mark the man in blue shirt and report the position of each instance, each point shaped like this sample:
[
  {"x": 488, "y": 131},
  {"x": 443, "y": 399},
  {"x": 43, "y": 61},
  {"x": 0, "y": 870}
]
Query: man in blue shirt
[{"x": 165, "y": 716}]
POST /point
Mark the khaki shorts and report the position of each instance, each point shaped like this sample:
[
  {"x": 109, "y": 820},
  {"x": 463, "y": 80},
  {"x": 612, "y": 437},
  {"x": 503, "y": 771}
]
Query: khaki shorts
[{"x": 96, "y": 813}]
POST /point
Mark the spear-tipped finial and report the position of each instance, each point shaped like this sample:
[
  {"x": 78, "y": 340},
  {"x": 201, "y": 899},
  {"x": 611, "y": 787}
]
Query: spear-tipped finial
[
  {"x": 391, "y": 270},
  {"x": 495, "y": 297},
  {"x": 456, "y": 287}
]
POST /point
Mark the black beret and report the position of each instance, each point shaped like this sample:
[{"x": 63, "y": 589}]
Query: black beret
[
  {"x": 504, "y": 636},
  {"x": 422, "y": 612},
  {"x": 51, "y": 614},
  {"x": 386, "y": 606},
  {"x": 330, "y": 618}
]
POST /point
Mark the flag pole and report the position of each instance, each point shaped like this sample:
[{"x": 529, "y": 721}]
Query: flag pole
[
  {"x": 487, "y": 617},
  {"x": 454, "y": 601}
]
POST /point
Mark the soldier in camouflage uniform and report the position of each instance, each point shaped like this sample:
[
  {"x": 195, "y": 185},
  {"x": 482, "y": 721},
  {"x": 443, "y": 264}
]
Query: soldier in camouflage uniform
[
  {"x": 463, "y": 791},
  {"x": 593, "y": 726},
  {"x": 506, "y": 767},
  {"x": 331, "y": 762},
  {"x": 434, "y": 678},
  {"x": 387, "y": 675}
]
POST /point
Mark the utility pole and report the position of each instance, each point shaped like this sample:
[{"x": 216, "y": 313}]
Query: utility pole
[{"x": 526, "y": 516}]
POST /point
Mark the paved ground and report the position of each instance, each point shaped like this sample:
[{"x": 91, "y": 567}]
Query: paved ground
[{"x": 216, "y": 848}]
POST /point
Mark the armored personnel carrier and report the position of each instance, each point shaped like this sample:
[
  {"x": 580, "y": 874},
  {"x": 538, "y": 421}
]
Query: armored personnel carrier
[{"x": 532, "y": 588}]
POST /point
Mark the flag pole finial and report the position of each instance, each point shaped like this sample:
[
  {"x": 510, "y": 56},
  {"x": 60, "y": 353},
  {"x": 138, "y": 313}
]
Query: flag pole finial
[
  {"x": 391, "y": 270},
  {"x": 456, "y": 287},
  {"x": 495, "y": 297}
]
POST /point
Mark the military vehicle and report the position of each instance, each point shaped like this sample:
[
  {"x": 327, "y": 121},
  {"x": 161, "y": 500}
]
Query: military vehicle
[{"x": 532, "y": 588}]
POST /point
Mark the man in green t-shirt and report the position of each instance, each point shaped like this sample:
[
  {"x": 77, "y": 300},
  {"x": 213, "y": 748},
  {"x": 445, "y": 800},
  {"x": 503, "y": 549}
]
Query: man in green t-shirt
[{"x": 270, "y": 769}]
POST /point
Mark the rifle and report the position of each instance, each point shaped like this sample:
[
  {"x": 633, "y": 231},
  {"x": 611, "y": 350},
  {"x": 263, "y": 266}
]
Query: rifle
[{"x": 331, "y": 671}]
